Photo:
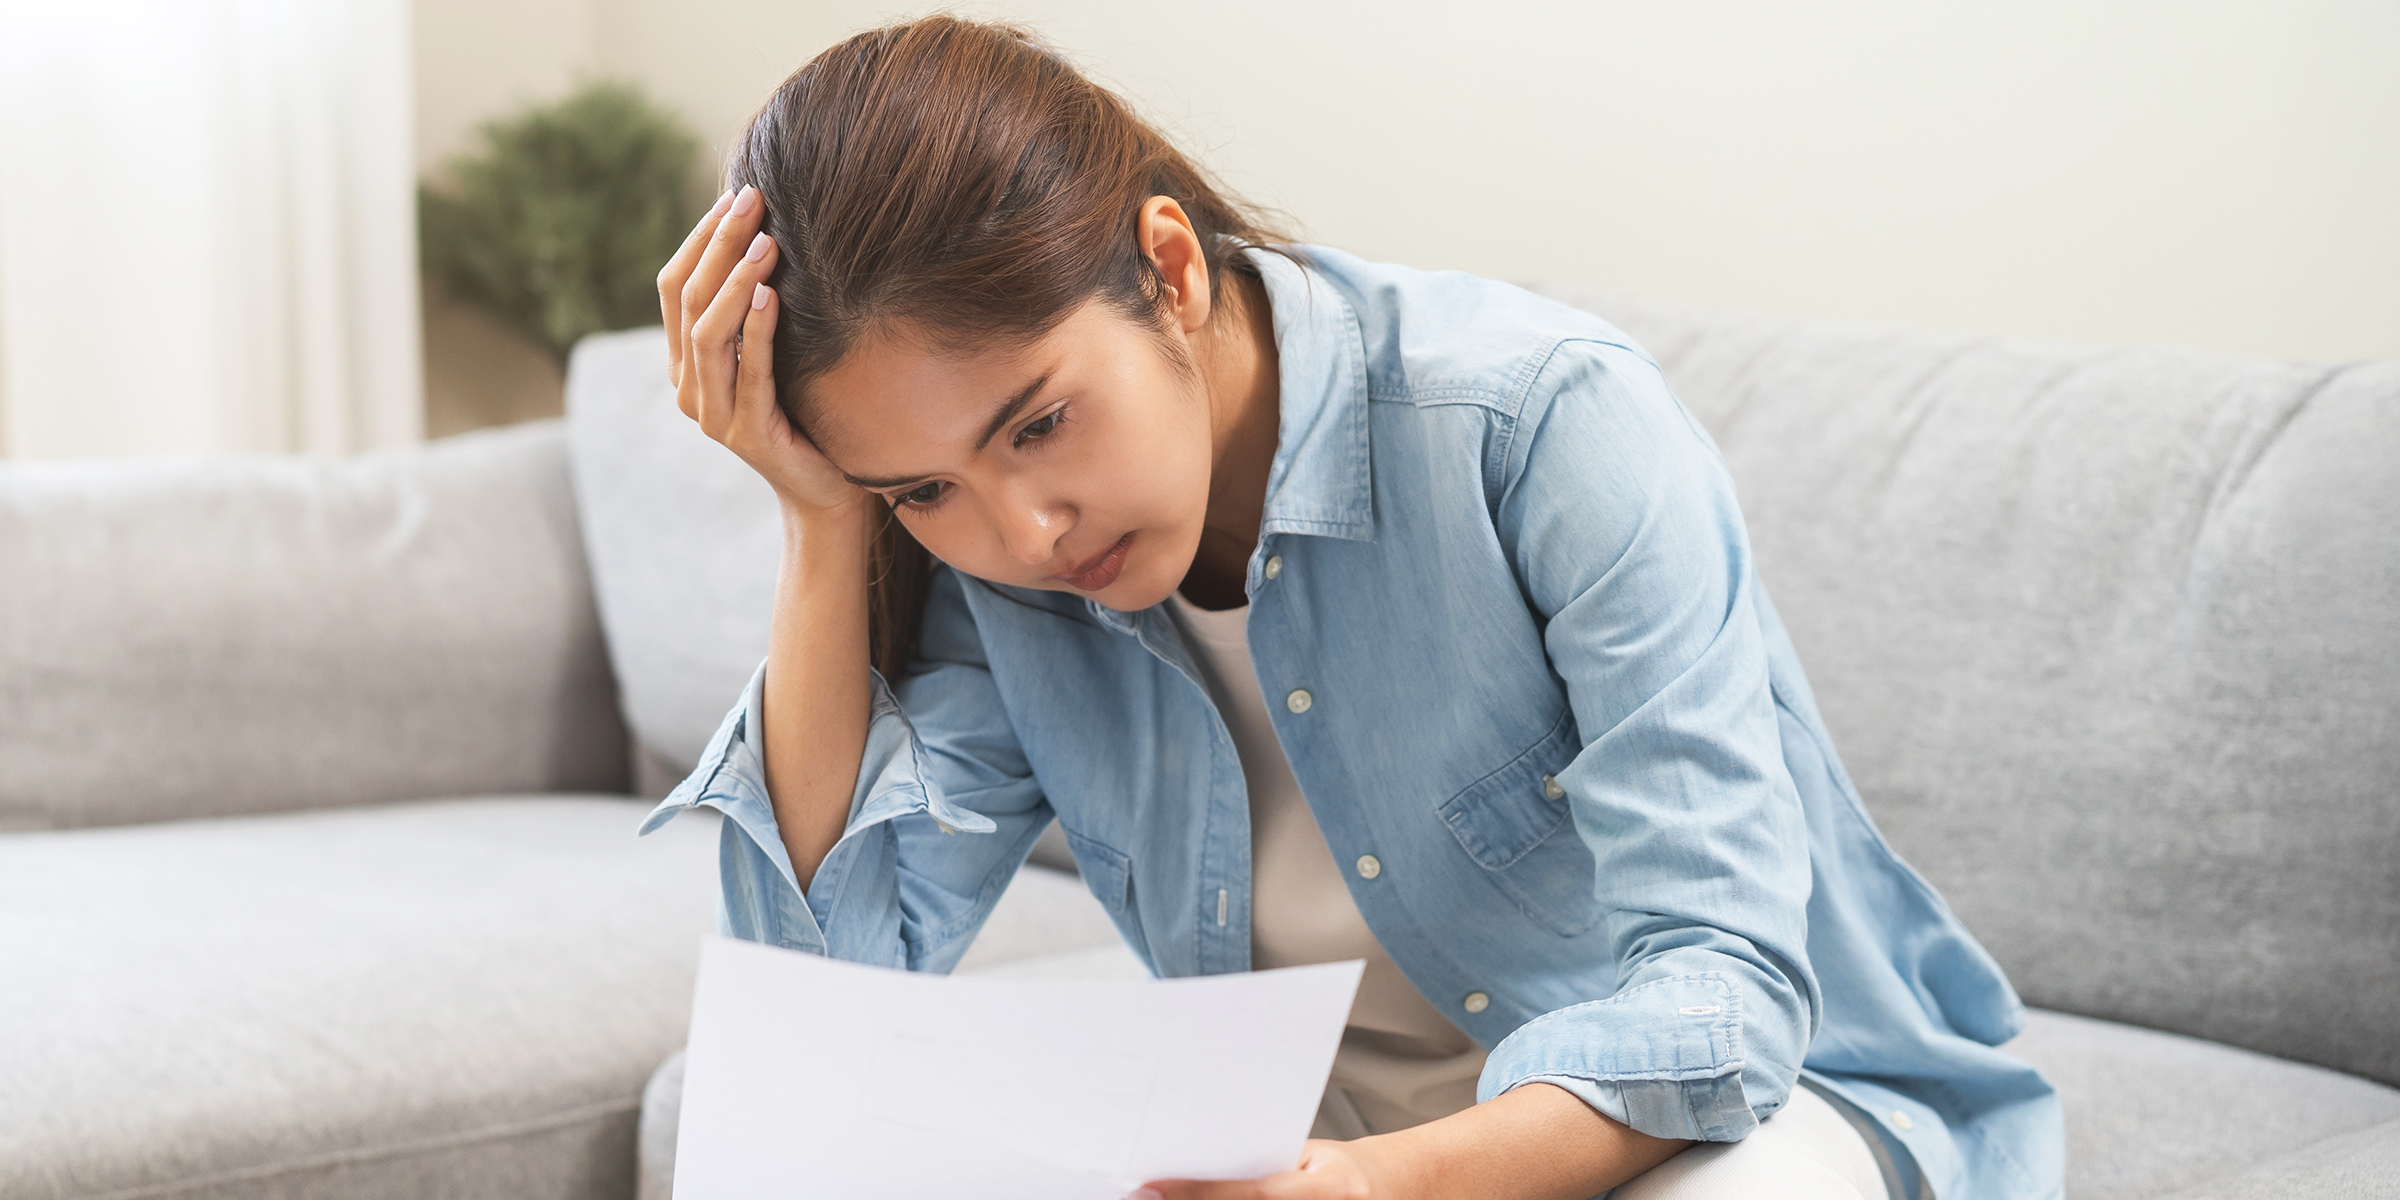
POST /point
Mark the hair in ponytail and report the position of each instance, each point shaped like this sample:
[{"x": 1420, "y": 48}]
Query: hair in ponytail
[{"x": 966, "y": 179}]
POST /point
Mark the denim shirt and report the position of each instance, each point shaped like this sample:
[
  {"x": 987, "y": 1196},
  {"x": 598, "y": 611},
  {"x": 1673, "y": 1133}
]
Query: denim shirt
[{"x": 1504, "y": 612}]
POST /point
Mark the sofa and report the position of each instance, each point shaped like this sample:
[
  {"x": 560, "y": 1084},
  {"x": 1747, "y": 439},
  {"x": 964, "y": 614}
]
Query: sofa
[{"x": 318, "y": 779}]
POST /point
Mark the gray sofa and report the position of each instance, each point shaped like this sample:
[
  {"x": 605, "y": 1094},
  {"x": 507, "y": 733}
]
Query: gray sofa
[{"x": 317, "y": 780}]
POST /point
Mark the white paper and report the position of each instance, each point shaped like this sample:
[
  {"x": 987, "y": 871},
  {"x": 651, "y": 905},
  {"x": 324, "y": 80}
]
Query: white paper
[{"x": 808, "y": 1077}]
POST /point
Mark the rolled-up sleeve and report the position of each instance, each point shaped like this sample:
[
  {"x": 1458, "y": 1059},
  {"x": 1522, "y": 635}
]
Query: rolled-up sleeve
[
  {"x": 1621, "y": 521},
  {"x": 943, "y": 814}
]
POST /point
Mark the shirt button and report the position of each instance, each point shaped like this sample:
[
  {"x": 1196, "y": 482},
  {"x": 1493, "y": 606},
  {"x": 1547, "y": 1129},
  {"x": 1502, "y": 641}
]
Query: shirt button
[
  {"x": 1551, "y": 789},
  {"x": 1901, "y": 1119},
  {"x": 1369, "y": 866},
  {"x": 1299, "y": 700},
  {"x": 1475, "y": 1002},
  {"x": 1274, "y": 565}
]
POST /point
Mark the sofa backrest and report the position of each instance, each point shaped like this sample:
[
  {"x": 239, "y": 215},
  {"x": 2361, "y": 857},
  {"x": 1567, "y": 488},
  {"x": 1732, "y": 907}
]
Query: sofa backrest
[
  {"x": 207, "y": 637},
  {"x": 684, "y": 539},
  {"x": 2109, "y": 639}
]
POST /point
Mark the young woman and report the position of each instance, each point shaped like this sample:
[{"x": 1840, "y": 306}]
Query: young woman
[{"x": 1336, "y": 610}]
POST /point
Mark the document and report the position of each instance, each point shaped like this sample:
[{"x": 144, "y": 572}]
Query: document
[{"x": 823, "y": 1080}]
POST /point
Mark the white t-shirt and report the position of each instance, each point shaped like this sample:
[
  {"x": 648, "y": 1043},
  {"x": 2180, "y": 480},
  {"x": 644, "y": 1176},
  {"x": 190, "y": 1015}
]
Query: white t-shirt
[{"x": 1401, "y": 1062}]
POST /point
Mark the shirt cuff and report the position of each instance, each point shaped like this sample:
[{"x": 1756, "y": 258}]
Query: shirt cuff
[
  {"x": 762, "y": 899},
  {"x": 1663, "y": 1058}
]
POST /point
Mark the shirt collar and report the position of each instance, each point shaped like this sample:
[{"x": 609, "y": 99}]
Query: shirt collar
[{"x": 1320, "y": 482}]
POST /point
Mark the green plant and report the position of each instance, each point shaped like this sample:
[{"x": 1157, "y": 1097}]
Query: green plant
[{"x": 559, "y": 223}]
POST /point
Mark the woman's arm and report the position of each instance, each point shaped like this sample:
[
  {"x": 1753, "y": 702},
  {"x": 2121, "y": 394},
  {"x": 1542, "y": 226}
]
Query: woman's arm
[
  {"x": 815, "y": 709},
  {"x": 1534, "y": 1143},
  {"x": 720, "y": 319},
  {"x": 1621, "y": 524},
  {"x": 829, "y": 788}
]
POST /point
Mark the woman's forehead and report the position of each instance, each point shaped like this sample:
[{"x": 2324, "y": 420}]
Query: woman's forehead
[{"x": 903, "y": 402}]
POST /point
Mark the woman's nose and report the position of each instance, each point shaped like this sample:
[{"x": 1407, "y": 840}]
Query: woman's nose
[{"x": 1030, "y": 527}]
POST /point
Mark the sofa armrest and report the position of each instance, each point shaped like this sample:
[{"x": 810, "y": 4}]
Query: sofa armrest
[{"x": 205, "y": 637}]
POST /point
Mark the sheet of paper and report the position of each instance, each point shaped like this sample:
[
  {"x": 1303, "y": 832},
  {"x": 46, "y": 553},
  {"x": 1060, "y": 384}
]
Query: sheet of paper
[{"x": 807, "y": 1077}]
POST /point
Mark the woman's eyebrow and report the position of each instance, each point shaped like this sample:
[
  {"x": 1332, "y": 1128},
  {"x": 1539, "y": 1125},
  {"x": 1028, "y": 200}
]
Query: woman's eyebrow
[
  {"x": 1020, "y": 400},
  {"x": 1000, "y": 419}
]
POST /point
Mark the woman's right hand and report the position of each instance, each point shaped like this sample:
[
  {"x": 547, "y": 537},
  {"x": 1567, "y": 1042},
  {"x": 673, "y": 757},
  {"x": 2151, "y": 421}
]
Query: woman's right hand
[{"x": 720, "y": 319}]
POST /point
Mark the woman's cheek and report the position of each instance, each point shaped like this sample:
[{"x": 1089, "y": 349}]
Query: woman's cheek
[{"x": 940, "y": 539}]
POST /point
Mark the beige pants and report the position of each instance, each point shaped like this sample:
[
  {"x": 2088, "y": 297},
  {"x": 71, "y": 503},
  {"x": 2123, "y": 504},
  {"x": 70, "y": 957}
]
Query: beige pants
[{"x": 1807, "y": 1151}]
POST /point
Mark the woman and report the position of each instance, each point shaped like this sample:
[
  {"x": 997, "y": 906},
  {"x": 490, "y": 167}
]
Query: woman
[{"x": 1335, "y": 610}]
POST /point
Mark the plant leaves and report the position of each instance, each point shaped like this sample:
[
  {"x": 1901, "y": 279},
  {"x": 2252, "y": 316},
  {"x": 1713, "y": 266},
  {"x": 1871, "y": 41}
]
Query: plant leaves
[{"x": 559, "y": 224}]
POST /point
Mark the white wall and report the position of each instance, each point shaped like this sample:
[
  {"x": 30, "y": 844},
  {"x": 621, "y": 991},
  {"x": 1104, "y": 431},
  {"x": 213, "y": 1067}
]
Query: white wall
[
  {"x": 2215, "y": 174},
  {"x": 2210, "y": 173}
]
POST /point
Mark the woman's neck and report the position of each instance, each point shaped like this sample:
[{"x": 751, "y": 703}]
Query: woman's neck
[{"x": 1238, "y": 363}]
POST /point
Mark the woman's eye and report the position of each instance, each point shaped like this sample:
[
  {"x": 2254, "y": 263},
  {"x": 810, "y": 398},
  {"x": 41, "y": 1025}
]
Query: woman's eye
[
  {"x": 1039, "y": 429},
  {"x": 924, "y": 495}
]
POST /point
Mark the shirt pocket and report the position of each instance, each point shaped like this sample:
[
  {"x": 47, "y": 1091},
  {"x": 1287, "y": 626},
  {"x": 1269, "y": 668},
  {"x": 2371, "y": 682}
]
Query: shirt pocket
[
  {"x": 1109, "y": 875},
  {"x": 1522, "y": 836}
]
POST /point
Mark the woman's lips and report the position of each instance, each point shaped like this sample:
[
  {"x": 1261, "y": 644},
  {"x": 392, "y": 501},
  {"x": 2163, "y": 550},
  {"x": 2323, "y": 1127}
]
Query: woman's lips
[{"x": 1101, "y": 569}]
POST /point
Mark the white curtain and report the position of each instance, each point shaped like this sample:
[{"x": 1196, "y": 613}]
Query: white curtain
[{"x": 207, "y": 227}]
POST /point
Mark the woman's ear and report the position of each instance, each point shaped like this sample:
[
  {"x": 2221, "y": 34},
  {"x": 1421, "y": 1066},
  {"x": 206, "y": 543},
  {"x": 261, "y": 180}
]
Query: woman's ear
[{"x": 1167, "y": 236}]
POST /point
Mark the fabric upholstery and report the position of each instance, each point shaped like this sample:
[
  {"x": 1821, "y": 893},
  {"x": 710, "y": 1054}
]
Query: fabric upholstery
[
  {"x": 2150, "y": 1113},
  {"x": 684, "y": 539},
  {"x": 2355, "y": 1166},
  {"x": 457, "y": 998},
  {"x": 662, "y": 1114},
  {"x": 205, "y": 637},
  {"x": 2106, "y": 638}
]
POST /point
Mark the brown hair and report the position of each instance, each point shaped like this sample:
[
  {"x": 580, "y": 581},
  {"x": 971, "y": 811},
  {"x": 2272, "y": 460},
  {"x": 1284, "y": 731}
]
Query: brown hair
[{"x": 966, "y": 179}]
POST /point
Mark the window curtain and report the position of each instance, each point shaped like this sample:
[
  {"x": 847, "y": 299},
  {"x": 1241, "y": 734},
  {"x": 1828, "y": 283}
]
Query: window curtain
[{"x": 207, "y": 227}]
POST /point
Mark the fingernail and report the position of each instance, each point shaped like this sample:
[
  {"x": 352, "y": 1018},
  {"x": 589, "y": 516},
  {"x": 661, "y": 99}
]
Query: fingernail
[
  {"x": 1146, "y": 1194},
  {"x": 758, "y": 296},
  {"x": 758, "y": 248},
  {"x": 718, "y": 209},
  {"x": 745, "y": 200}
]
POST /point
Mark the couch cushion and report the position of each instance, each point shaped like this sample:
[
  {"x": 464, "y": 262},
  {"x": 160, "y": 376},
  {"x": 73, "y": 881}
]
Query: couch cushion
[
  {"x": 210, "y": 636},
  {"x": 2149, "y": 1113},
  {"x": 683, "y": 538},
  {"x": 2106, "y": 636},
  {"x": 457, "y": 998},
  {"x": 2364, "y": 1165}
]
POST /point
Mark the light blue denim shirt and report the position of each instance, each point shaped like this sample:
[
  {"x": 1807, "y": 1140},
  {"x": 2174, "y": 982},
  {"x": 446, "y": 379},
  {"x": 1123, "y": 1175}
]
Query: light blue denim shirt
[{"x": 1505, "y": 616}]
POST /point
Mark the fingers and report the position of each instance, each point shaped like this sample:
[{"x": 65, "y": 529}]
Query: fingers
[
  {"x": 1199, "y": 1189},
  {"x": 723, "y": 248},
  {"x": 721, "y": 252},
  {"x": 754, "y": 369},
  {"x": 711, "y": 366},
  {"x": 1326, "y": 1172},
  {"x": 1207, "y": 1189},
  {"x": 670, "y": 283}
]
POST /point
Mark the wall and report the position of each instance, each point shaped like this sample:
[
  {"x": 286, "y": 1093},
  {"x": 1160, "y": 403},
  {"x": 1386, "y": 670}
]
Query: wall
[
  {"x": 476, "y": 60},
  {"x": 2214, "y": 174}
]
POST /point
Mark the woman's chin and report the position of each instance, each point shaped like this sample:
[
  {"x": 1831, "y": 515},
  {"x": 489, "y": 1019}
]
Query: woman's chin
[
  {"x": 1143, "y": 584},
  {"x": 1132, "y": 595}
]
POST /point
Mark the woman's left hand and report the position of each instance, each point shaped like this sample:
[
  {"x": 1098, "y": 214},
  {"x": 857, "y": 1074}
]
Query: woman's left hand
[{"x": 1327, "y": 1171}]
